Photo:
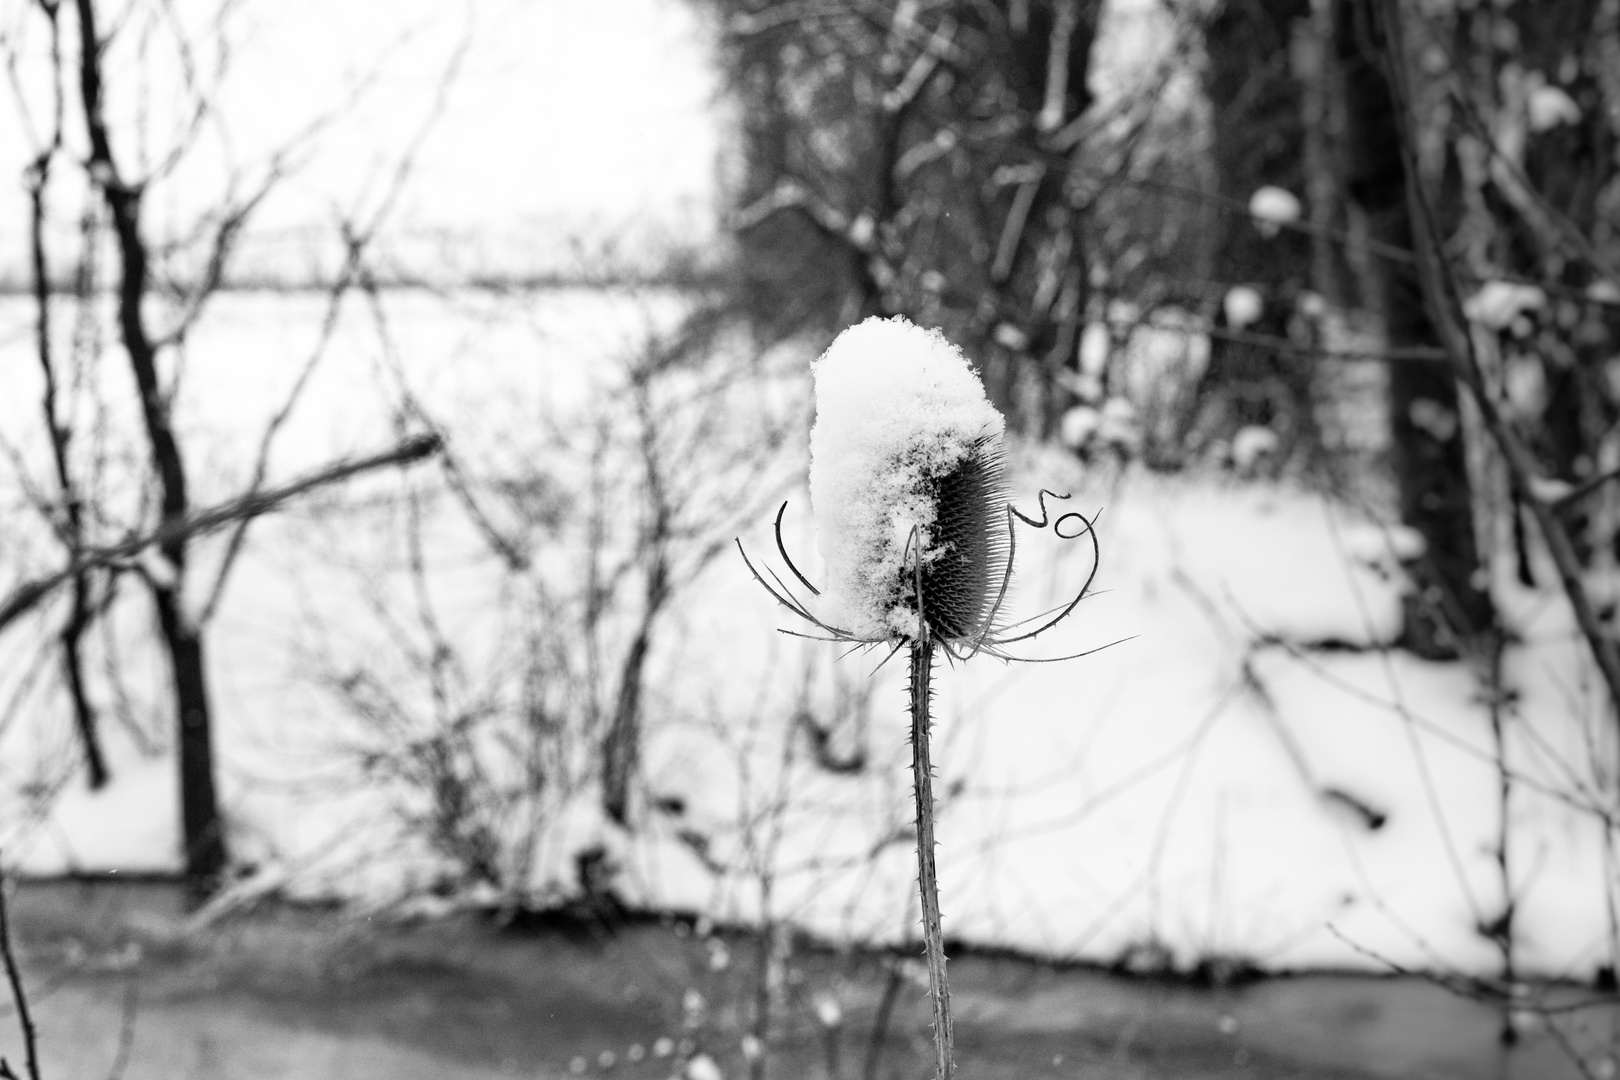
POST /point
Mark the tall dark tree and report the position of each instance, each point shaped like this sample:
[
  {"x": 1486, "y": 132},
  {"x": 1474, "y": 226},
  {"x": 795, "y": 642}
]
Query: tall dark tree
[
  {"x": 203, "y": 833},
  {"x": 97, "y": 119},
  {"x": 1257, "y": 119},
  {"x": 1430, "y": 466}
]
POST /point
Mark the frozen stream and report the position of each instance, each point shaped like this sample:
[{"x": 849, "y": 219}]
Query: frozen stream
[{"x": 286, "y": 992}]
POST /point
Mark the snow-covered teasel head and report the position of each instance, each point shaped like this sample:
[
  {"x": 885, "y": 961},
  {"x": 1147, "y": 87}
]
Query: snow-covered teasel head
[
  {"x": 905, "y": 452},
  {"x": 909, "y": 497}
]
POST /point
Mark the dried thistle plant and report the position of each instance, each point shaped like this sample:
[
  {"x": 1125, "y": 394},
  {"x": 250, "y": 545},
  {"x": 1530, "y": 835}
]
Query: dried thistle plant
[{"x": 908, "y": 488}]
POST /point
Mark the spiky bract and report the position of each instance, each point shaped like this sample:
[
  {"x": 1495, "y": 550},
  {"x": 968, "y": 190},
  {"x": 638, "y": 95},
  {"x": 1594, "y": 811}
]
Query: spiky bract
[{"x": 964, "y": 561}]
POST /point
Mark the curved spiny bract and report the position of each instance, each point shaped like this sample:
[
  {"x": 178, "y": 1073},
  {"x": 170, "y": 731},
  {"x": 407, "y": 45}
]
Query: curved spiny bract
[{"x": 965, "y": 574}]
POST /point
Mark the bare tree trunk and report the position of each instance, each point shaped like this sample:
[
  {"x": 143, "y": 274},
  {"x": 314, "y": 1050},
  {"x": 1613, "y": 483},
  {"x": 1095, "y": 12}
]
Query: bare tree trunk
[
  {"x": 1039, "y": 274},
  {"x": 202, "y": 828},
  {"x": 621, "y": 746},
  {"x": 1425, "y": 424},
  {"x": 1441, "y": 292},
  {"x": 1258, "y": 115},
  {"x": 84, "y": 713},
  {"x": 1323, "y": 155},
  {"x": 203, "y": 835}
]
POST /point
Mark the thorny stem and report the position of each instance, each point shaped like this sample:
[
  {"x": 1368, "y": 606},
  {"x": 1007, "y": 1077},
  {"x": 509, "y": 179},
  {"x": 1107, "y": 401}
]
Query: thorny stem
[{"x": 922, "y": 676}]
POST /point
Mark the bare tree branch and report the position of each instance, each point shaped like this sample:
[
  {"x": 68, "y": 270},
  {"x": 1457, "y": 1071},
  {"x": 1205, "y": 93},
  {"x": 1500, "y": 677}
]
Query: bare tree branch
[
  {"x": 1029, "y": 181},
  {"x": 922, "y": 68},
  {"x": 65, "y": 514},
  {"x": 30, "y": 594},
  {"x": 1050, "y": 117}
]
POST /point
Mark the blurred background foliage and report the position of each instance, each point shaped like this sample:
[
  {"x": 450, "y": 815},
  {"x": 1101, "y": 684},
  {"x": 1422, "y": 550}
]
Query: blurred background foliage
[{"x": 1182, "y": 234}]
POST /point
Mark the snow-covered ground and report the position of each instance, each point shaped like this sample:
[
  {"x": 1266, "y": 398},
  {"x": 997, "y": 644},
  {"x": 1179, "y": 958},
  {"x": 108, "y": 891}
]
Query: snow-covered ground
[{"x": 1246, "y": 774}]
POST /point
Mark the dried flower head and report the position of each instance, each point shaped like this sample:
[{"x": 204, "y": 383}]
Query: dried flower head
[{"x": 908, "y": 488}]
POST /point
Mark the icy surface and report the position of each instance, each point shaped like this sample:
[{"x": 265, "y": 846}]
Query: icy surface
[{"x": 895, "y": 405}]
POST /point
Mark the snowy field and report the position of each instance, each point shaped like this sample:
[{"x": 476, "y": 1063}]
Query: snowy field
[{"x": 1246, "y": 776}]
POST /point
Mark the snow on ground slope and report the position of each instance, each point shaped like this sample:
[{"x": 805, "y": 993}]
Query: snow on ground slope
[
  {"x": 1249, "y": 775},
  {"x": 1243, "y": 772}
]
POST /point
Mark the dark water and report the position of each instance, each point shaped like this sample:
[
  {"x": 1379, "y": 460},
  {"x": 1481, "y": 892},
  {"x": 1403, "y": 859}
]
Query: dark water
[{"x": 124, "y": 983}]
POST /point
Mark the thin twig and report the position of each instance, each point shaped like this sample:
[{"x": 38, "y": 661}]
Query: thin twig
[
  {"x": 126, "y": 1030},
  {"x": 24, "y": 1019},
  {"x": 880, "y": 1023},
  {"x": 1565, "y": 502}
]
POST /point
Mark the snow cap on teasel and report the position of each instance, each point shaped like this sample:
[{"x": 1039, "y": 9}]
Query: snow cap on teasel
[{"x": 906, "y": 443}]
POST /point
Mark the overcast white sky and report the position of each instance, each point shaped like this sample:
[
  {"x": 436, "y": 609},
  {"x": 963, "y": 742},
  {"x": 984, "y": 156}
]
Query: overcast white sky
[{"x": 568, "y": 116}]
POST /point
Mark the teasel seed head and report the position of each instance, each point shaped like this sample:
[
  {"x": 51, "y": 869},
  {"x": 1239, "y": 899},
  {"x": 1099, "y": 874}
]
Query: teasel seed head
[
  {"x": 906, "y": 483},
  {"x": 908, "y": 487}
]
